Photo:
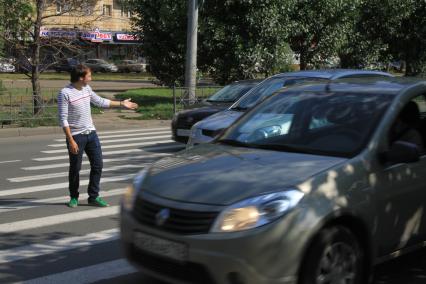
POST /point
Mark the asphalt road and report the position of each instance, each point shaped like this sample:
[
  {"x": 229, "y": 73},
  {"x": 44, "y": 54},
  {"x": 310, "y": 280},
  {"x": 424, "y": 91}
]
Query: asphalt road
[{"x": 43, "y": 241}]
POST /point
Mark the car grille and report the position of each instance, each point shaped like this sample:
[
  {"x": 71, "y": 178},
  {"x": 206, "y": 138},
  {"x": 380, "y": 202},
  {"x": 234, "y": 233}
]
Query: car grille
[
  {"x": 188, "y": 272},
  {"x": 211, "y": 133},
  {"x": 180, "y": 221}
]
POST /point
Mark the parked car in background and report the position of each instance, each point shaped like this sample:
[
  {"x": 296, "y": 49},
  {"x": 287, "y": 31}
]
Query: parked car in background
[
  {"x": 222, "y": 99},
  {"x": 100, "y": 65},
  {"x": 314, "y": 185},
  {"x": 128, "y": 66},
  {"x": 6, "y": 66},
  {"x": 205, "y": 130},
  {"x": 66, "y": 65}
]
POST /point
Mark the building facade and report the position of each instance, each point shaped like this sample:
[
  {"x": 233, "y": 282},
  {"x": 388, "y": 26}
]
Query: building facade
[{"x": 102, "y": 28}]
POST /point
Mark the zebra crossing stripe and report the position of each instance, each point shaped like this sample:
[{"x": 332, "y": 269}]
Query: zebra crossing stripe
[
  {"x": 54, "y": 246},
  {"x": 65, "y": 174},
  {"x": 103, "y": 138},
  {"x": 64, "y": 150},
  {"x": 29, "y": 224},
  {"x": 62, "y": 185},
  {"x": 85, "y": 162},
  {"x": 89, "y": 274},
  {"x": 127, "y": 151},
  {"x": 22, "y": 204}
]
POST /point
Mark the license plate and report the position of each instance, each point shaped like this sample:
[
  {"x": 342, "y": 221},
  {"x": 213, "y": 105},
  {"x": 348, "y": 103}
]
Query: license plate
[
  {"x": 183, "y": 132},
  {"x": 175, "y": 250}
]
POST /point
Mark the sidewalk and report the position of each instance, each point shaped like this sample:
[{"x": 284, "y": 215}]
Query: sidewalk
[{"x": 109, "y": 120}]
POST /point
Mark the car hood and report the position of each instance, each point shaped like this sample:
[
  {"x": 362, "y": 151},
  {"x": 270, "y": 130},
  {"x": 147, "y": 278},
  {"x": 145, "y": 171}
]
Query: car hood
[
  {"x": 201, "y": 111},
  {"x": 218, "y": 174},
  {"x": 219, "y": 120}
]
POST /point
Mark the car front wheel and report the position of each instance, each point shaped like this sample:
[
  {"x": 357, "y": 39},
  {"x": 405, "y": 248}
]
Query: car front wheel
[{"x": 335, "y": 257}]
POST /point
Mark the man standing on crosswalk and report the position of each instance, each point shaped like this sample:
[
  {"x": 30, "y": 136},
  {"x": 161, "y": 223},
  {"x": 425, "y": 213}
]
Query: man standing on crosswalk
[{"x": 76, "y": 120}]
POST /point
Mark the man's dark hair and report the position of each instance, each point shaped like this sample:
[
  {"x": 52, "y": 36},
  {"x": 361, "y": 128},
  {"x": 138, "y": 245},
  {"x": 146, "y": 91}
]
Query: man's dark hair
[{"x": 79, "y": 71}]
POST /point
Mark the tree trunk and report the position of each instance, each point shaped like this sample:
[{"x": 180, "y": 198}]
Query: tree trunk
[
  {"x": 303, "y": 60},
  {"x": 35, "y": 61}
]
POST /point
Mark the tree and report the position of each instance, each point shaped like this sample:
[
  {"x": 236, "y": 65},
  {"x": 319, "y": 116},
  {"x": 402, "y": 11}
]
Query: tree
[
  {"x": 22, "y": 31},
  {"x": 318, "y": 29},
  {"x": 161, "y": 26},
  {"x": 401, "y": 28},
  {"x": 240, "y": 38}
]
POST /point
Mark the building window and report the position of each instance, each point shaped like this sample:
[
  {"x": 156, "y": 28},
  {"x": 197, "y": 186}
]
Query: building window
[
  {"x": 107, "y": 10},
  {"x": 125, "y": 12},
  {"x": 62, "y": 7},
  {"x": 87, "y": 9}
]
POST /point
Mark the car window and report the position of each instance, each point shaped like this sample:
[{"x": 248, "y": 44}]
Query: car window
[
  {"x": 230, "y": 92},
  {"x": 320, "y": 123}
]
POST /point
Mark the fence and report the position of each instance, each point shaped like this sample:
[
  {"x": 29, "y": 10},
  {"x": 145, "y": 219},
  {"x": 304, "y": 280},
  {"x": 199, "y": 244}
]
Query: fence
[{"x": 16, "y": 104}]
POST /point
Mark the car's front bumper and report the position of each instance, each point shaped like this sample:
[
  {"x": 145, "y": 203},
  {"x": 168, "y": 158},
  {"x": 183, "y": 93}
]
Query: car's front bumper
[{"x": 266, "y": 255}]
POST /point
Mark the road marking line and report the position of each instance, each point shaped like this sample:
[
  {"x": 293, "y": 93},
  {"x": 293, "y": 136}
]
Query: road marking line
[
  {"x": 85, "y": 162},
  {"x": 87, "y": 275},
  {"x": 14, "y": 227},
  {"x": 62, "y": 185},
  {"x": 64, "y": 150},
  {"x": 100, "y": 134},
  {"x": 127, "y": 151},
  {"x": 55, "y": 246},
  {"x": 13, "y": 161},
  {"x": 112, "y": 136},
  {"x": 65, "y": 174},
  {"x": 26, "y": 204}
]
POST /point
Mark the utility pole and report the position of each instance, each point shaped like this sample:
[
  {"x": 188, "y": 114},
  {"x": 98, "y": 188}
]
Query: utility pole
[{"x": 191, "y": 50}]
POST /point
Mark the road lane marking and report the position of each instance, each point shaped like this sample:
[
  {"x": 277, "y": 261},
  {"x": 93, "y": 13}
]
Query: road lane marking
[
  {"x": 13, "y": 161},
  {"x": 85, "y": 162},
  {"x": 103, "y": 138},
  {"x": 62, "y": 185},
  {"x": 87, "y": 275},
  {"x": 119, "y": 152},
  {"x": 59, "y": 245},
  {"x": 22, "y": 204},
  {"x": 74, "y": 216},
  {"x": 101, "y": 134},
  {"x": 64, "y": 150},
  {"x": 65, "y": 174}
]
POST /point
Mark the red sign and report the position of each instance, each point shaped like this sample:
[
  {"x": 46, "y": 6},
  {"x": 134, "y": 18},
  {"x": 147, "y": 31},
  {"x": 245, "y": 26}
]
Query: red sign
[
  {"x": 96, "y": 36},
  {"x": 126, "y": 37}
]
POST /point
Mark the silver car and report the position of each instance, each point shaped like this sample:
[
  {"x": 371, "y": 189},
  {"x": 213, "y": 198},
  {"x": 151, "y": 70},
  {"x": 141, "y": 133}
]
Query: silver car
[
  {"x": 100, "y": 65},
  {"x": 207, "y": 129},
  {"x": 315, "y": 185}
]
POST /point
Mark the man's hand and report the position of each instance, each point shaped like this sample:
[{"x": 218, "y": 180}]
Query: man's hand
[
  {"x": 73, "y": 147},
  {"x": 129, "y": 105}
]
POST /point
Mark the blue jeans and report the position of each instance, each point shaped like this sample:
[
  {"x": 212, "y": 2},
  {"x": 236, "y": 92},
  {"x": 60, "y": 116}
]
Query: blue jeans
[{"x": 91, "y": 145}]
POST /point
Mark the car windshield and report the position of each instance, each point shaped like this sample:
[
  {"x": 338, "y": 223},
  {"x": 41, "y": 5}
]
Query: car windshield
[
  {"x": 230, "y": 93},
  {"x": 336, "y": 124},
  {"x": 265, "y": 89}
]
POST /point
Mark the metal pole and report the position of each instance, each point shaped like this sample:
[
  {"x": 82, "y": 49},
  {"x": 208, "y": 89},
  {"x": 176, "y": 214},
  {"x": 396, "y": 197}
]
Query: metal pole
[
  {"x": 174, "y": 98},
  {"x": 191, "y": 50}
]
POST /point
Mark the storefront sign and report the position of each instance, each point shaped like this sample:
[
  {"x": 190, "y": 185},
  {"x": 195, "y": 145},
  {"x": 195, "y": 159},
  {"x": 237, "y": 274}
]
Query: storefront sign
[
  {"x": 58, "y": 33},
  {"x": 126, "y": 37},
  {"x": 96, "y": 36}
]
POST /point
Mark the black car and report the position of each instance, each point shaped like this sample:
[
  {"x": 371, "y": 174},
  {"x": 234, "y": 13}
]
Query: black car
[
  {"x": 66, "y": 65},
  {"x": 222, "y": 99}
]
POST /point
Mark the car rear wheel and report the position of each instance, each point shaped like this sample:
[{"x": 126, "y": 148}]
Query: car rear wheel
[{"x": 335, "y": 257}]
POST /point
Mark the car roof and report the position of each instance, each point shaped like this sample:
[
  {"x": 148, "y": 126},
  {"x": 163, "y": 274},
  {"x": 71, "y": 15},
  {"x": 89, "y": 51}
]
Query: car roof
[
  {"x": 391, "y": 85},
  {"x": 333, "y": 74},
  {"x": 248, "y": 81}
]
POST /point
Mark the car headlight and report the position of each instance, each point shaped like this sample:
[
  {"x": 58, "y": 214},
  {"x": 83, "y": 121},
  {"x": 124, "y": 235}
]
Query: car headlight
[
  {"x": 256, "y": 211},
  {"x": 132, "y": 190}
]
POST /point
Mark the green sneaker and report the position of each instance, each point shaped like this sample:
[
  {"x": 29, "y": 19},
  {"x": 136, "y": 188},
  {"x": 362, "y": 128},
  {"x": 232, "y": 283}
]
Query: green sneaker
[
  {"x": 73, "y": 202},
  {"x": 98, "y": 202}
]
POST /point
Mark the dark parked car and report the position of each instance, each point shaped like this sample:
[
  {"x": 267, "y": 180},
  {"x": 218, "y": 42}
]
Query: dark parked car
[
  {"x": 183, "y": 120},
  {"x": 66, "y": 65},
  {"x": 314, "y": 185}
]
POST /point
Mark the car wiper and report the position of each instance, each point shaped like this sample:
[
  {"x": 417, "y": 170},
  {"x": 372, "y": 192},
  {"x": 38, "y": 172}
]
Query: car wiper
[
  {"x": 233, "y": 142},
  {"x": 281, "y": 147},
  {"x": 219, "y": 101},
  {"x": 239, "y": 108}
]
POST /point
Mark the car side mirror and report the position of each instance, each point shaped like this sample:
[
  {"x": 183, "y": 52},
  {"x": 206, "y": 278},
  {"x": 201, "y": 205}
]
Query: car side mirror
[{"x": 402, "y": 152}]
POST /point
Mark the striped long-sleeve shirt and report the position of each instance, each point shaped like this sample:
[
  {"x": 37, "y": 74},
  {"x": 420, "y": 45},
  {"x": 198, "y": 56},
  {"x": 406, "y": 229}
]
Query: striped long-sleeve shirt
[{"x": 74, "y": 108}]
